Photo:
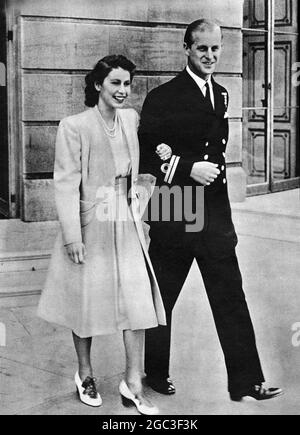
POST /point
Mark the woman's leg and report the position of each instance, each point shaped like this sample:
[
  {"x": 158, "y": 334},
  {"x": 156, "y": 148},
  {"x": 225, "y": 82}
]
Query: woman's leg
[
  {"x": 86, "y": 388},
  {"x": 83, "y": 350},
  {"x": 134, "y": 347}
]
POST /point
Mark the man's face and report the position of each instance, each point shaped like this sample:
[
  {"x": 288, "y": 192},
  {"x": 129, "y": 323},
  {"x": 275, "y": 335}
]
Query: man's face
[{"x": 204, "y": 54}]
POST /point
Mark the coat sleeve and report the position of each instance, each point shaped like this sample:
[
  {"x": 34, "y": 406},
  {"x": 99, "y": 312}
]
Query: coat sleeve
[
  {"x": 67, "y": 180},
  {"x": 155, "y": 123}
]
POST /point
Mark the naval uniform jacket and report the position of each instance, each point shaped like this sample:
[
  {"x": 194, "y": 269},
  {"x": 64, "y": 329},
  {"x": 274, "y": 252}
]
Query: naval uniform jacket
[{"x": 177, "y": 114}]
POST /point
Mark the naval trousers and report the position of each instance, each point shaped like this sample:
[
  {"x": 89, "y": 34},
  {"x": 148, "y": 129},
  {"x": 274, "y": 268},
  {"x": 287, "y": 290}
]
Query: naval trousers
[{"x": 223, "y": 284}]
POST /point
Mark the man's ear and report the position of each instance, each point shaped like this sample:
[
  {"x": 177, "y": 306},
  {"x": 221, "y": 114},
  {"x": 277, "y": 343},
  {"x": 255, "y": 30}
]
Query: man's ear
[
  {"x": 186, "y": 49},
  {"x": 97, "y": 87}
]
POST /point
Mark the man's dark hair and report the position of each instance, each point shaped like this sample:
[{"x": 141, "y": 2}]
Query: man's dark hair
[
  {"x": 101, "y": 71},
  {"x": 201, "y": 25}
]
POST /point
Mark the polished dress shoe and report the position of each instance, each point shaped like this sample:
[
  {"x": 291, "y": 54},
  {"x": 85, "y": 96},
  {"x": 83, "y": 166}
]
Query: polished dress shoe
[
  {"x": 257, "y": 392},
  {"x": 87, "y": 391},
  {"x": 161, "y": 385},
  {"x": 129, "y": 399}
]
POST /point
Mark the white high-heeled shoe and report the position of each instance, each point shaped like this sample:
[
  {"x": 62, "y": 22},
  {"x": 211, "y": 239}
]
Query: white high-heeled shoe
[
  {"x": 87, "y": 391},
  {"x": 129, "y": 399}
]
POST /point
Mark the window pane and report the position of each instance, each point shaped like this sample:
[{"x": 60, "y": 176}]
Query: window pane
[
  {"x": 254, "y": 146},
  {"x": 254, "y": 93},
  {"x": 255, "y": 14},
  {"x": 286, "y": 95},
  {"x": 286, "y": 148}
]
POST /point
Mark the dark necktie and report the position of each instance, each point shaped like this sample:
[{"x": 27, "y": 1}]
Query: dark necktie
[{"x": 207, "y": 97}]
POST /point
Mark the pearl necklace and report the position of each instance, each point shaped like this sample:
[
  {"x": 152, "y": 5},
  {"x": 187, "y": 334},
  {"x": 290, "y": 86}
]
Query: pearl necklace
[{"x": 112, "y": 132}]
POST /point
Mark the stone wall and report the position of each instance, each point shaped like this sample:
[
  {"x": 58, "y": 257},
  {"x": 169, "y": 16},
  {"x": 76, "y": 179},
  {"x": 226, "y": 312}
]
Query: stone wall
[{"x": 60, "y": 40}]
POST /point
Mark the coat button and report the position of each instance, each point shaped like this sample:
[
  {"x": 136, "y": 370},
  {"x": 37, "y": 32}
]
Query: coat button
[
  {"x": 206, "y": 157},
  {"x": 223, "y": 155},
  {"x": 224, "y": 141},
  {"x": 224, "y": 181},
  {"x": 222, "y": 168},
  {"x": 207, "y": 143}
]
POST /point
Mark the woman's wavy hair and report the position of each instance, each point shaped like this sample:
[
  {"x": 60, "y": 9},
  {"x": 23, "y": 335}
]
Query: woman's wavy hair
[{"x": 100, "y": 71}]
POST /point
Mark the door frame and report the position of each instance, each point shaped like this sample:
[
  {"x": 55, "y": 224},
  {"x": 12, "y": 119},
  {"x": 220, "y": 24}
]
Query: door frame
[
  {"x": 270, "y": 185},
  {"x": 4, "y": 205},
  {"x": 12, "y": 112}
]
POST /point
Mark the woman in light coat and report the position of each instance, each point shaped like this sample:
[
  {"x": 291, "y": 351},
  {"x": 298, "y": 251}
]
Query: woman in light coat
[{"x": 100, "y": 278}]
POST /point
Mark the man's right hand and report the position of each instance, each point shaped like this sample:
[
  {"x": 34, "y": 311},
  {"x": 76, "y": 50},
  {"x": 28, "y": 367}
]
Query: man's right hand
[
  {"x": 76, "y": 252},
  {"x": 205, "y": 172}
]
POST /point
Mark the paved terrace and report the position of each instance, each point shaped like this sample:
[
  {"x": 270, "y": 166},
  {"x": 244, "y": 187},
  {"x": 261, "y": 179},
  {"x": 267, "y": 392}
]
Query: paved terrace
[{"x": 38, "y": 363}]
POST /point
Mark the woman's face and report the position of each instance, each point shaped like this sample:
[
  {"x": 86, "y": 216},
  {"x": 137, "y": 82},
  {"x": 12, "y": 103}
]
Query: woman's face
[{"x": 116, "y": 87}]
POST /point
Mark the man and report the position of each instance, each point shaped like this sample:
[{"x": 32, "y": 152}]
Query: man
[{"x": 189, "y": 113}]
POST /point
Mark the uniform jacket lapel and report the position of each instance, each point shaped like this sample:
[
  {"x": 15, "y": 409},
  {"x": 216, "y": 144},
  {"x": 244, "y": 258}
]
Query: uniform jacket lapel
[
  {"x": 192, "y": 92},
  {"x": 219, "y": 99}
]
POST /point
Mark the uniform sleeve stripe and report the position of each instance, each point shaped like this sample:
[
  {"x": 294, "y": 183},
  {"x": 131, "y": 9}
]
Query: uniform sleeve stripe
[
  {"x": 169, "y": 169},
  {"x": 173, "y": 169}
]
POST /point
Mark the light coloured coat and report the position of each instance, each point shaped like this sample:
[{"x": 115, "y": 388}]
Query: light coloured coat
[{"x": 81, "y": 168}]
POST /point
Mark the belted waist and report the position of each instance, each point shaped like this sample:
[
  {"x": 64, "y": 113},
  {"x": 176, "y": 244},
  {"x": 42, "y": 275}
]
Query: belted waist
[
  {"x": 108, "y": 201},
  {"x": 121, "y": 180},
  {"x": 105, "y": 194},
  {"x": 122, "y": 185}
]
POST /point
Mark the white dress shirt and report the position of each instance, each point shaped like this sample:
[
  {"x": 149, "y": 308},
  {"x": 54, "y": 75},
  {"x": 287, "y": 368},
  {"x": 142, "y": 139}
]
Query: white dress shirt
[{"x": 201, "y": 84}]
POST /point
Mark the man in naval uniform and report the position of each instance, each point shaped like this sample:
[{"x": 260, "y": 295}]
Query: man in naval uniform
[{"x": 189, "y": 114}]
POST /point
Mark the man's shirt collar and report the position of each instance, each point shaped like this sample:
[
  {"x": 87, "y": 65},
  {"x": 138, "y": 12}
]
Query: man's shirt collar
[{"x": 200, "y": 82}]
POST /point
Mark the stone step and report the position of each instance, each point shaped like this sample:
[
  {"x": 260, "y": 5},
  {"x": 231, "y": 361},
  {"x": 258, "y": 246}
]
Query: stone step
[
  {"x": 18, "y": 236},
  {"x": 20, "y": 291},
  {"x": 267, "y": 225},
  {"x": 22, "y": 261},
  {"x": 23, "y": 273},
  {"x": 24, "y": 282}
]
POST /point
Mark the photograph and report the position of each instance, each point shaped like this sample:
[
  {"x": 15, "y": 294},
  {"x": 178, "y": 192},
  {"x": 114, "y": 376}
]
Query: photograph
[{"x": 149, "y": 210}]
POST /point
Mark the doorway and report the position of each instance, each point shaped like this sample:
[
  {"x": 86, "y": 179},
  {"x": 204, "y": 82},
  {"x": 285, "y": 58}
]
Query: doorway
[
  {"x": 4, "y": 163},
  {"x": 270, "y": 97}
]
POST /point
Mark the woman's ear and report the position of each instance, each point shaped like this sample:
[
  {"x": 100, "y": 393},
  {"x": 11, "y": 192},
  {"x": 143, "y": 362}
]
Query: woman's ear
[{"x": 97, "y": 87}]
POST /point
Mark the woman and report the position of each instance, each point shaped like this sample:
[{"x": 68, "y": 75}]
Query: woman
[{"x": 100, "y": 277}]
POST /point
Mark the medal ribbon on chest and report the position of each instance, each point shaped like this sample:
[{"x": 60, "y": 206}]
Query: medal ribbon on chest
[{"x": 225, "y": 96}]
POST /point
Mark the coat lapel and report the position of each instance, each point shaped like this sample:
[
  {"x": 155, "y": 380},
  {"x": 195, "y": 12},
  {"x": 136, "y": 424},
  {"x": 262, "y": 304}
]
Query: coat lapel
[
  {"x": 196, "y": 96},
  {"x": 219, "y": 100},
  {"x": 107, "y": 165},
  {"x": 193, "y": 93},
  {"x": 130, "y": 132}
]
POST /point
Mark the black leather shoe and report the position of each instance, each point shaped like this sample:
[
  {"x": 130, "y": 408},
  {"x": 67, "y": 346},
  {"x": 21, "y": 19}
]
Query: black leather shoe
[
  {"x": 161, "y": 385},
  {"x": 257, "y": 392}
]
